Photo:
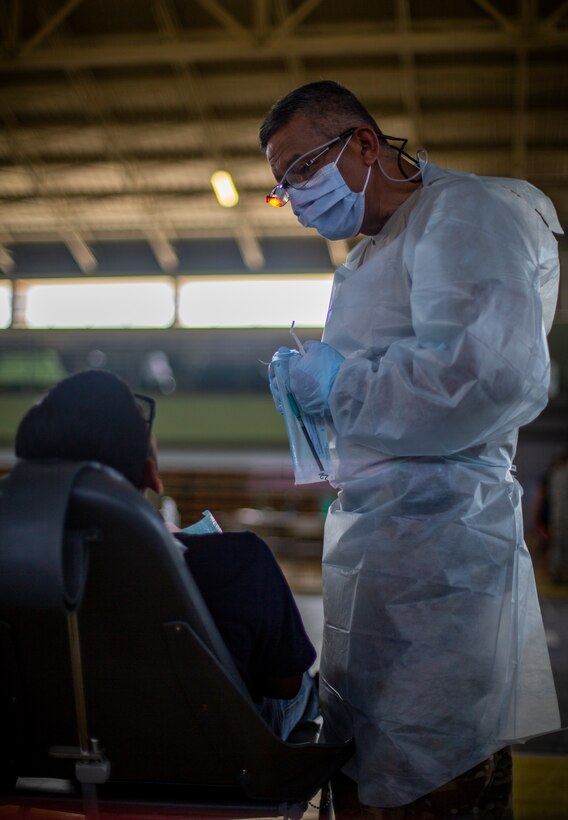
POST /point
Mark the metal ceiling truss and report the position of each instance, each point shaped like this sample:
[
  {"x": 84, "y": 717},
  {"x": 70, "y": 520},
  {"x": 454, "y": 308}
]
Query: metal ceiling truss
[{"x": 112, "y": 129}]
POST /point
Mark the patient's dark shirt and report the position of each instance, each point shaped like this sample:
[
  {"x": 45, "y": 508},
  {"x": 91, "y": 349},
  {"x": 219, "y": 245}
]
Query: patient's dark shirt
[{"x": 251, "y": 603}]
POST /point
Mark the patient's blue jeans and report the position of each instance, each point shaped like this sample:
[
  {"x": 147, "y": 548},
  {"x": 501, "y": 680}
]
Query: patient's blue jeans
[{"x": 282, "y": 715}]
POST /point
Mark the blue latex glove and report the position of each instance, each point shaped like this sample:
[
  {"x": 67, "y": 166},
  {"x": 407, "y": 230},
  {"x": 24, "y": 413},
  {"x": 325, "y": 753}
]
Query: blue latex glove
[
  {"x": 281, "y": 353},
  {"x": 312, "y": 376}
]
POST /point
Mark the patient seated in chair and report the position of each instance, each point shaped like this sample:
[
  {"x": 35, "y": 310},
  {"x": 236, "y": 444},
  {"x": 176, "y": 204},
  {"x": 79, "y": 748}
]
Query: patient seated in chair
[{"x": 94, "y": 416}]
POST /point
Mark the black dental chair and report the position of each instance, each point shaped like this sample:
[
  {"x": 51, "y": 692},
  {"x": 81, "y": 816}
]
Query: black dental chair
[{"x": 118, "y": 696}]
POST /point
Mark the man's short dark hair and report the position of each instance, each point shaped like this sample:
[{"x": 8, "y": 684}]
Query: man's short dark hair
[
  {"x": 333, "y": 107},
  {"x": 90, "y": 416}
]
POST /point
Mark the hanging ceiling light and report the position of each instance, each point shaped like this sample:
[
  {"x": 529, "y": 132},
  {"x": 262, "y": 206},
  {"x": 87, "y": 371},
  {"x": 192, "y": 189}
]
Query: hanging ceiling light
[{"x": 224, "y": 188}]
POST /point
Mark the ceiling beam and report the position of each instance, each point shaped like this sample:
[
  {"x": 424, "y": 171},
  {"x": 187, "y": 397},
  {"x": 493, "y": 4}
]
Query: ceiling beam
[
  {"x": 182, "y": 213},
  {"x": 192, "y": 174},
  {"x": 133, "y": 232},
  {"x": 163, "y": 14},
  {"x": 98, "y": 106},
  {"x": 110, "y": 229},
  {"x": 190, "y": 93},
  {"x": 226, "y": 20},
  {"x": 40, "y": 137},
  {"x": 191, "y": 90},
  {"x": 97, "y": 52},
  {"x": 295, "y": 68},
  {"x": 556, "y": 16},
  {"x": 79, "y": 250},
  {"x": 293, "y": 20},
  {"x": 261, "y": 19},
  {"x": 249, "y": 248},
  {"x": 56, "y": 209},
  {"x": 503, "y": 22},
  {"x": 48, "y": 27},
  {"x": 371, "y": 81},
  {"x": 6, "y": 260},
  {"x": 11, "y": 21},
  {"x": 162, "y": 249},
  {"x": 528, "y": 19},
  {"x": 520, "y": 119}
]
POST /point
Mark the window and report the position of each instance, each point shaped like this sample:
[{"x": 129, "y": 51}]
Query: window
[
  {"x": 254, "y": 301},
  {"x": 5, "y": 304},
  {"x": 100, "y": 303}
]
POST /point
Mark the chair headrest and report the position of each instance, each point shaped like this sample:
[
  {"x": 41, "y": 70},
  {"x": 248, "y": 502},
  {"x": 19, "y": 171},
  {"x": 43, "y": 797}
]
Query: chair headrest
[{"x": 41, "y": 566}]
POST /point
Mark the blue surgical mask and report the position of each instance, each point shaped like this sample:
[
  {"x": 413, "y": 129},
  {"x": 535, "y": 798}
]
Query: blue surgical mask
[{"x": 328, "y": 204}]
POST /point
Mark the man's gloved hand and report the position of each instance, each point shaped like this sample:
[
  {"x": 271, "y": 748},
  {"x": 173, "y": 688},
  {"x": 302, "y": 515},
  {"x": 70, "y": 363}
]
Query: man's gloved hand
[
  {"x": 281, "y": 353},
  {"x": 312, "y": 376}
]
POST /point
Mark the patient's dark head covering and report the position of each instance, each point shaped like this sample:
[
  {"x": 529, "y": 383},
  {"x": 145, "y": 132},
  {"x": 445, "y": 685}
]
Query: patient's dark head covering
[{"x": 90, "y": 416}]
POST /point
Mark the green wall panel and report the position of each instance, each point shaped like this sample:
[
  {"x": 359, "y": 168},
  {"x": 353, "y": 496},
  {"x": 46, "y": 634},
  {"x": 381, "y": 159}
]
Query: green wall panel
[{"x": 211, "y": 420}]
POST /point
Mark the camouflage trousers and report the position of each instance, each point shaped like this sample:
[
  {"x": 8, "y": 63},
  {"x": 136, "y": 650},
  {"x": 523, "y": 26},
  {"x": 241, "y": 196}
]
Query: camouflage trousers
[{"x": 482, "y": 793}]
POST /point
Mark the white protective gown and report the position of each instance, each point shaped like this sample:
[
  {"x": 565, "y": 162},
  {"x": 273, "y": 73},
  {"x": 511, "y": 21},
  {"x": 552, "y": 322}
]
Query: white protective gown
[{"x": 434, "y": 652}]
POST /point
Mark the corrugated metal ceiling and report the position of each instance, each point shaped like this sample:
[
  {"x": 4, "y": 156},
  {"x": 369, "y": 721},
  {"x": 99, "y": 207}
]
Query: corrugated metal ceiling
[{"x": 115, "y": 113}]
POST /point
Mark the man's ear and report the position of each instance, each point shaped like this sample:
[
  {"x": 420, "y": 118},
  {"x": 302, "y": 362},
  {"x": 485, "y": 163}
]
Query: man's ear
[
  {"x": 152, "y": 480},
  {"x": 368, "y": 144}
]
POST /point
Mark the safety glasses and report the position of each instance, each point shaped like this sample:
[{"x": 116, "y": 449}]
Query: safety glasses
[
  {"x": 147, "y": 407},
  {"x": 303, "y": 169},
  {"x": 299, "y": 173}
]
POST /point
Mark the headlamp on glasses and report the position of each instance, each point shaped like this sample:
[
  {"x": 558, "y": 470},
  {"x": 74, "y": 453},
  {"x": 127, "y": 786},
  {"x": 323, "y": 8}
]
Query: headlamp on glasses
[
  {"x": 278, "y": 197},
  {"x": 299, "y": 173}
]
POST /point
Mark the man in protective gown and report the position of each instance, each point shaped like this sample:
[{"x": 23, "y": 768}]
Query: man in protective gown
[{"x": 434, "y": 353}]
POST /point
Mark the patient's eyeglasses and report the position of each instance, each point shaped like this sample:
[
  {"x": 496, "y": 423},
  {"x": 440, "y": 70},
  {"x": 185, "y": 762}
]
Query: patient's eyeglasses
[{"x": 147, "y": 407}]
